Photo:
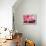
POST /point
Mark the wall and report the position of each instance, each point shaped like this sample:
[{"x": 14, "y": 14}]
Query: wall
[
  {"x": 6, "y": 13},
  {"x": 43, "y": 22},
  {"x": 30, "y": 31},
  {"x": 6, "y": 16}
]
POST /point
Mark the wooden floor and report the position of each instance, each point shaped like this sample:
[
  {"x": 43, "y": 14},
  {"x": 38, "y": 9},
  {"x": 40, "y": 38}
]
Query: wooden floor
[{"x": 9, "y": 43}]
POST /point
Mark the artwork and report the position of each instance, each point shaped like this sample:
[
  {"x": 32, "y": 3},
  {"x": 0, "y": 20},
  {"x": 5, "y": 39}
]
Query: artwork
[{"x": 29, "y": 19}]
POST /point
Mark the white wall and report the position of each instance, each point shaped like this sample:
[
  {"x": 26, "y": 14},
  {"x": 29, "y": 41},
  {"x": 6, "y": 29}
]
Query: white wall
[
  {"x": 6, "y": 13},
  {"x": 36, "y": 32},
  {"x": 30, "y": 31},
  {"x": 43, "y": 22}
]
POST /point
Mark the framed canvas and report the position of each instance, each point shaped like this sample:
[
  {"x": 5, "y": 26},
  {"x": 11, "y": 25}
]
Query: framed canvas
[{"x": 29, "y": 19}]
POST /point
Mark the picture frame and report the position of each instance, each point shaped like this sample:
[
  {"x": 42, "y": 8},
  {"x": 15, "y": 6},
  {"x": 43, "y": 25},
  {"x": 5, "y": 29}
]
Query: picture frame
[{"x": 29, "y": 19}]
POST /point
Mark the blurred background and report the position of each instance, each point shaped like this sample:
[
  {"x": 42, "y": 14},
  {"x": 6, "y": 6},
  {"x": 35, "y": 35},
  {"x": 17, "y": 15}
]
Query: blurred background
[{"x": 6, "y": 17}]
